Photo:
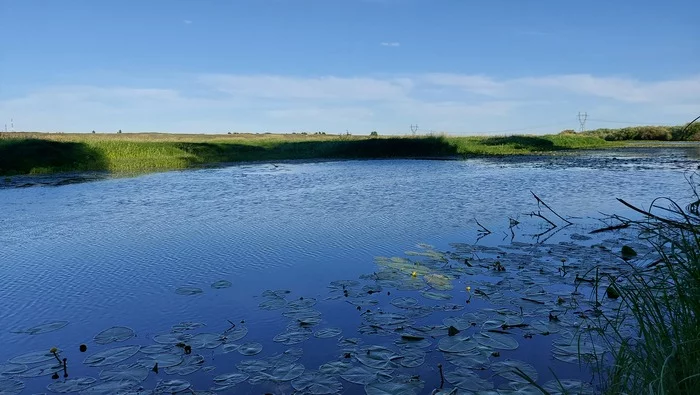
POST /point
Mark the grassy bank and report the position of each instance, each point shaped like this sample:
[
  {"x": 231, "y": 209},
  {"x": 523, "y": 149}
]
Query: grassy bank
[{"x": 40, "y": 153}]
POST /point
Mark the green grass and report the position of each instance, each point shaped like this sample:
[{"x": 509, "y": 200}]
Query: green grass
[
  {"x": 663, "y": 302},
  {"x": 37, "y": 153}
]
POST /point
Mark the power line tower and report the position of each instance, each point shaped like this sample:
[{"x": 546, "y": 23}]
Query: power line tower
[
  {"x": 414, "y": 129},
  {"x": 582, "y": 120}
]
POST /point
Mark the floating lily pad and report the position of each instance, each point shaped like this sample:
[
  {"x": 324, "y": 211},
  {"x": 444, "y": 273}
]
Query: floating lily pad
[
  {"x": 33, "y": 357},
  {"x": 207, "y": 340},
  {"x": 359, "y": 375},
  {"x": 43, "y": 328},
  {"x": 191, "y": 364},
  {"x": 11, "y": 369},
  {"x": 498, "y": 341},
  {"x": 467, "y": 380},
  {"x": 172, "y": 338},
  {"x": 412, "y": 358},
  {"x": 158, "y": 349},
  {"x": 250, "y": 348},
  {"x": 405, "y": 302},
  {"x": 457, "y": 344},
  {"x": 287, "y": 372},
  {"x": 315, "y": 383},
  {"x": 187, "y": 326},
  {"x": 238, "y": 333},
  {"x": 475, "y": 359},
  {"x": 335, "y": 367},
  {"x": 44, "y": 369},
  {"x": 230, "y": 347},
  {"x": 230, "y": 379},
  {"x": 221, "y": 284},
  {"x": 436, "y": 295},
  {"x": 328, "y": 332},
  {"x": 188, "y": 291},
  {"x": 273, "y": 303},
  {"x": 111, "y": 387},
  {"x": 111, "y": 356},
  {"x": 293, "y": 337},
  {"x": 163, "y": 360},
  {"x": 563, "y": 386},
  {"x": 134, "y": 372},
  {"x": 508, "y": 369},
  {"x": 378, "y": 357},
  {"x": 172, "y": 386},
  {"x": 9, "y": 386},
  {"x": 70, "y": 385},
  {"x": 253, "y": 365},
  {"x": 114, "y": 334},
  {"x": 393, "y": 388}
]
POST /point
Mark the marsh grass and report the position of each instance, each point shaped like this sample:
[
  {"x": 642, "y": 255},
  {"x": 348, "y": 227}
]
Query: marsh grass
[
  {"x": 37, "y": 153},
  {"x": 654, "y": 336}
]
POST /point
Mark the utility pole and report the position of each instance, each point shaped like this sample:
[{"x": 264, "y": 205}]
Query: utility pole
[
  {"x": 414, "y": 129},
  {"x": 582, "y": 120}
]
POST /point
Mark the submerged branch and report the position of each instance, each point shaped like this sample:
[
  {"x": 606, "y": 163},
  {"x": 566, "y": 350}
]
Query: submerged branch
[{"x": 549, "y": 208}]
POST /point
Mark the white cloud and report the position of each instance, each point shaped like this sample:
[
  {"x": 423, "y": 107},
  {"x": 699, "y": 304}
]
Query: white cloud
[
  {"x": 390, "y": 44},
  {"x": 438, "y": 101}
]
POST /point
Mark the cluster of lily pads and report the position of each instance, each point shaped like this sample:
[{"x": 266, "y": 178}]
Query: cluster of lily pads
[{"x": 451, "y": 316}]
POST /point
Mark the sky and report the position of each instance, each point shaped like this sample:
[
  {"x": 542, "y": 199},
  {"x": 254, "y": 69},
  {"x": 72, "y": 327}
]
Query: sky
[{"x": 454, "y": 66}]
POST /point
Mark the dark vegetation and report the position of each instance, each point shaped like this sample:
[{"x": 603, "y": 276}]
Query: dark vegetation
[{"x": 660, "y": 133}]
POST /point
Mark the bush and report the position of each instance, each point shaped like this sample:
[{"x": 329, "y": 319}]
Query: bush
[
  {"x": 568, "y": 131},
  {"x": 374, "y": 134}
]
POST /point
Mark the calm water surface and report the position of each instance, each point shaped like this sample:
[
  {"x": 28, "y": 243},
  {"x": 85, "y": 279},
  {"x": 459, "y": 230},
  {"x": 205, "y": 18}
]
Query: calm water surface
[{"x": 113, "y": 252}]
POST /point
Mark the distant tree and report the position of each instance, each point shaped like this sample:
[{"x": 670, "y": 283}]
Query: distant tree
[
  {"x": 374, "y": 133},
  {"x": 93, "y": 132},
  {"x": 119, "y": 131},
  {"x": 229, "y": 132}
]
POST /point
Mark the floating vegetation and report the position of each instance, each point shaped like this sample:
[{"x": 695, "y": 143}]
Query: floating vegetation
[
  {"x": 43, "y": 328},
  {"x": 221, "y": 284},
  {"x": 114, "y": 334},
  {"x": 188, "y": 291},
  {"x": 410, "y": 319}
]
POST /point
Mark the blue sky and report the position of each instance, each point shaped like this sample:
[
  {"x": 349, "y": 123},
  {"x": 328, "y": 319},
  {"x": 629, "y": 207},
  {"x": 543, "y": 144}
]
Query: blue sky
[{"x": 455, "y": 66}]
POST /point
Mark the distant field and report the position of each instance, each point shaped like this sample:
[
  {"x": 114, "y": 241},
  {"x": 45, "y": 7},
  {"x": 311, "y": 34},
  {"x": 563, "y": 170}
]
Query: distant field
[{"x": 43, "y": 153}]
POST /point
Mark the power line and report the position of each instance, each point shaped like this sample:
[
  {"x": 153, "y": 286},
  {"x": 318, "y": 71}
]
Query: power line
[{"x": 414, "y": 129}]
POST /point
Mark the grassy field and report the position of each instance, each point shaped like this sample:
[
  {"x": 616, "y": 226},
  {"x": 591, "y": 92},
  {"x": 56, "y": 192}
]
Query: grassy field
[{"x": 43, "y": 153}]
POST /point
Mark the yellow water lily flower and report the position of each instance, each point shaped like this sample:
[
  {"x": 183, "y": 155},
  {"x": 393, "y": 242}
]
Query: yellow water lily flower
[
  {"x": 53, "y": 350},
  {"x": 469, "y": 289},
  {"x": 414, "y": 274}
]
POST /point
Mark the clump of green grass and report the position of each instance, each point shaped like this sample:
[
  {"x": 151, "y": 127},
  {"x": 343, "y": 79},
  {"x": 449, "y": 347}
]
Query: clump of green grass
[
  {"x": 663, "y": 299},
  {"x": 32, "y": 153}
]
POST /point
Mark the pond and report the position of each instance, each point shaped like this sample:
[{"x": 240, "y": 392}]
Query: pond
[{"x": 318, "y": 277}]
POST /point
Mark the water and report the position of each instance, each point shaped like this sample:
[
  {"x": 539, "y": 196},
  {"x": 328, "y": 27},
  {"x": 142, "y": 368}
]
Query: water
[{"x": 113, "y": 252}]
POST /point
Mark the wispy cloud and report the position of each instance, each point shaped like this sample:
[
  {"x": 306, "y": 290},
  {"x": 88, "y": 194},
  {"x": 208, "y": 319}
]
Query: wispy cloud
[
  {"x": 390, "y": 44},
  {"x": 187, "y": 22},
  {"x": 440, "y": 101}
]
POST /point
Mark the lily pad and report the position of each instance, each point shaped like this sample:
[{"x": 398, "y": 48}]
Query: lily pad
[
  {"x": 498, "y": 341},
  {"x": 378, "y": 357},
  {"x": 292, "y": 337},
  {"x": 508, "y": 369},
  {"x": 221, "y": 284},
  {"x": 172, "y": 338},
  {"x": 189, "y": 291},
  {"x": 9, "y": 386},
  {"x": 467, "y": 380},
  {"x": 315, "y": 383},
  {"x": 11, "y": 369},
  {"x": 287, "y": 372},
  {"x": 436, "y": 295},
  {"x": 110, "y": 387},
  {"x": 187, "y": 326},
  {"x": 328, "y": 333},
  {"x": 457, "y": 344},
  {"x": 273, "y": 304},
  {"x": 253, "y": 365},
  {"x": 70, "y": 385},
  {"x": 191, "y": 364},
  {"x": 111, "y": 356},
  {"x": 392, "y": 388},
  {"x": 250, "y": 349},
  {"x": 163, "y": 360},
  {"x": 172, "y": 386},
  {"x": 134, "y": 372},
  {"x": 557, "y": 387},
  {"x": 33, "y": 357},
  {"x": 238, "y": 333},
  {"x": 359, "y": 375},
  {"x": 335, "y": 367},
  {"x": 207, "y": 340},
  {"x": 114, "y": 334},
  {"x": 229, "y": 379},
  {"x": 43, "y": 328},
  {"x": 44, "y": 369}
]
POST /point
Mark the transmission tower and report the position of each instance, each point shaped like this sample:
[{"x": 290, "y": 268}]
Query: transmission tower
[
  {"x": 414, "y": 129},
  {"x": 582, "y": 120}
]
